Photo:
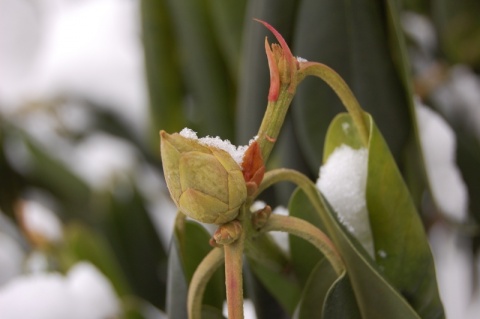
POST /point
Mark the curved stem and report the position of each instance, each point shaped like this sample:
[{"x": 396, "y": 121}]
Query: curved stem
[
  {"x": 335, "y": 81},
  {"x": 310, "y": 233},
  {"x": 199, "y": 281},
  {"x": 302, "y": 181}
]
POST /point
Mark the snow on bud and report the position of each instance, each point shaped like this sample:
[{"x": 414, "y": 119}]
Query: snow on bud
[{"x": 205, "y": 182}]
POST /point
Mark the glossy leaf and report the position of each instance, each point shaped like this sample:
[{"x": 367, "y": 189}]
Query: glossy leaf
[
  {"x": 402, "y": 252},
  {"x": 349, "y": 37}
]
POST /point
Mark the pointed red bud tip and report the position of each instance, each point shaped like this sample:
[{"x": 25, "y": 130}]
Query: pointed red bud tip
[
  {"x": 280, "y": 39},
  {"x": 252, "y": 166},
  {"x": 278, "y": 70},
  {"x": 274, "y": 90}
]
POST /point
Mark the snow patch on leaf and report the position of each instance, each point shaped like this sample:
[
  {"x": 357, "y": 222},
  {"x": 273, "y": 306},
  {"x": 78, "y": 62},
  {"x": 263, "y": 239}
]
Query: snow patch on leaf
[{"x": 343, "y": 181}]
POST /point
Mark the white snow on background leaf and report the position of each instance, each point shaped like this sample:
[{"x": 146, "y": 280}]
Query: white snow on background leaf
[
  {"x": 439, "y": 146},
  {"x": 38, "y": 219},
  {"x": 11, "y": 257},
  {"x": 236, "y": 152},
  {"x": 459, "y": 98},
  {"x": 83, "y": 294},
  {"x": 453, "y": 268},
  {"x": 100, "y": 159},
  {"x": 420, "y": 29},
  {"x": 343, "y": 180},
  {"x": 92, "y": 292}
]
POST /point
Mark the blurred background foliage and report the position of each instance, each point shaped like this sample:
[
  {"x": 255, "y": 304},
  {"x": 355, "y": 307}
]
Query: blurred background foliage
[{"x": 206, "y": 69}]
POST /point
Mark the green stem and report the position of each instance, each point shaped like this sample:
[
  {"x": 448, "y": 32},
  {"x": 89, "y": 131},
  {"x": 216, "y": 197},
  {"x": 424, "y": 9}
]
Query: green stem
[
  {"x": 302, "y": 181},
  {"x": 201, "y": 277},
  {"x": 335, "y": 81},
  {"x": 233, "y": 278},
  {"x": 273, "y": 120},
  {"x": 310, "y": 233}
]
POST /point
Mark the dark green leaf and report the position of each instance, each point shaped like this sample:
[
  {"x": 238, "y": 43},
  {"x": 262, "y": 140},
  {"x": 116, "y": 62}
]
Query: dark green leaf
[
  {"x": 136, "y": 244},
  {"x": 280, "y": 285},
  {"x": 350, "y": 37},
  {"x": 266, "y": 306},
  {"x": 162, "y": 68},
  {"x": 81, "y": 243},
  {"x": 254, "y": 81},
  {"x": 205, "y": 72},
  {"x": 228, "y": 18}
]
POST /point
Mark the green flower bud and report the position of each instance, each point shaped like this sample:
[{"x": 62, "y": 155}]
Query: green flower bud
[{"x": 205, "y": 182}]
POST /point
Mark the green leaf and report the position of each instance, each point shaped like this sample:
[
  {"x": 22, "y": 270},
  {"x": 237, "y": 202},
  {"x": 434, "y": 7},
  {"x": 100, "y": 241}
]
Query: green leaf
[
  {"x": 340, "y": 301},
  {"x": 279, "y": 284},
  {"x": 130, "y": 231},
  {"x": 209, "y": 86},
  {"x": 349, "y": 37},
  {"x": 266, "y": 305},
  {"x": 163, "y": 68},
  {"x": 177, "y": 283},
  {"x": 254, "y": 81},
  {"x": 228, "y": 18},
  {"x": 82, "y": 243},
  {"x": 190, "y": 244},
  {"x": 402, "y": 250},
  {"x": 376, "y": 298},
  {"x": 327, "y": 296}
]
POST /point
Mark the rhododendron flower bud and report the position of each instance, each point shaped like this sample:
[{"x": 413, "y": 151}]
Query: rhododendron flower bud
[{"x": 205, "y": 182}]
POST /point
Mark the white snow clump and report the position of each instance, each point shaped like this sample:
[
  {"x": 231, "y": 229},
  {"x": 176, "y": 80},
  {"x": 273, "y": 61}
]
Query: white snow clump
[
  {"x": 438, "y": 146},
  {"x": 342, "y": 180},
  {"x": 236, "y": 152},
  {"x": 84, "y": 293}
]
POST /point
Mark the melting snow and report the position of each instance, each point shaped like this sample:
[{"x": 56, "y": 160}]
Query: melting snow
[{"x": 343, "y": 179}]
